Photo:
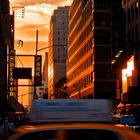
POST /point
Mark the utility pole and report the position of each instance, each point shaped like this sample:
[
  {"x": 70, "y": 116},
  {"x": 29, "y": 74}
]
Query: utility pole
[{"x": 37, "y": 74}]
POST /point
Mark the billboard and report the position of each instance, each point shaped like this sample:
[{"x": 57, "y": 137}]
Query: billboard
[
  {"x": 22, "y": 73},
  {"x": 38, "y": 77}
]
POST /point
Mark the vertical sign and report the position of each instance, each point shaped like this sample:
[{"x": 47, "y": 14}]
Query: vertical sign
[
  {"x": 12, "y": 83},
  {"x": 38, "y": 64}
]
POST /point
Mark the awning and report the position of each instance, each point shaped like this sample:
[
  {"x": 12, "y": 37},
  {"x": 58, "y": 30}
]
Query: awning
[
  {"x": 16, "y": 106},
  {"x": 120, "y": 105}
]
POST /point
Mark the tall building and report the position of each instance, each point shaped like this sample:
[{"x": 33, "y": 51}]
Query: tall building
[
  {"x": 90, "y": 53},
  {"x": 5, "y": 44},
  {"x": 8, "y": 85},
  {"x": 57, "y": 53},
  {"x": 119, "y": 54}
]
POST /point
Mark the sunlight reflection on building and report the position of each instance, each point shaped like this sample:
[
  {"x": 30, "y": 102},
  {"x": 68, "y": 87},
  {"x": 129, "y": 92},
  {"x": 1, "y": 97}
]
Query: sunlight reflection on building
[{"x": 127, "y": 73}]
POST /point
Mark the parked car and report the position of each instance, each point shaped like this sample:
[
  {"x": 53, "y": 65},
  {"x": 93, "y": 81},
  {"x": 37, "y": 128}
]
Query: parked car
[{"x": 127, "y": 120}]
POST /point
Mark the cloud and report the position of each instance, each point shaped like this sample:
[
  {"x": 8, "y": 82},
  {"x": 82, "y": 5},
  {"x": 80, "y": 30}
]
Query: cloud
[
  {"x": 37, "y": 16},
  {"x": 36, "y": 2},
  {"x": 27, "y": 34}
]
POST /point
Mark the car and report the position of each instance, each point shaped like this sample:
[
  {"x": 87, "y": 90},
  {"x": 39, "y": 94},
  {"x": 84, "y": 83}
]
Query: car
[
  {"x": 74, "y": 131},
  {"x": 71, "y": 120},
  {"x": 127, "y": 120}
]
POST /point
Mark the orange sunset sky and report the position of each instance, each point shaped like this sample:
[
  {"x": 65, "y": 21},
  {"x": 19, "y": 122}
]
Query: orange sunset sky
[{"x": 37, "y": 16}]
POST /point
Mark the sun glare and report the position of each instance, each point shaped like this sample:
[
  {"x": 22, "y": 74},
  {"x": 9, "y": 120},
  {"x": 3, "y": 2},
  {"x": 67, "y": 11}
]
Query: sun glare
[{"x": 127, "y": 73}]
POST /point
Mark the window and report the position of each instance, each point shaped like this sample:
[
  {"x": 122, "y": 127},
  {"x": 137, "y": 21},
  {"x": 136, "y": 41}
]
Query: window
[
  {"x": 136, "y": 8},
  {"x": 129, "y": 36},
  {"x": 124, "y": 2},
  {"x": 39, "y": 135},
  {"x": 132, "y": 12},
  {"x": 73, "y": 134},
  {"x": 91, "y": 134}
]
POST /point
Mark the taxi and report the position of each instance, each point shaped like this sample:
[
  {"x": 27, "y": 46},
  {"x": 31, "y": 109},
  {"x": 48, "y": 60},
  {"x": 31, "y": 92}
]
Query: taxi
[{"x": 84, "y": 119}]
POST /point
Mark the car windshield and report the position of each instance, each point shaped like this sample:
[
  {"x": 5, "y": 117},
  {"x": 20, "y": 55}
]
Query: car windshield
[{"x": 80, "y": 134}]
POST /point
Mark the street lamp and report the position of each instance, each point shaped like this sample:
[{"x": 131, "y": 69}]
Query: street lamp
[{"x": 21, "y": 13}]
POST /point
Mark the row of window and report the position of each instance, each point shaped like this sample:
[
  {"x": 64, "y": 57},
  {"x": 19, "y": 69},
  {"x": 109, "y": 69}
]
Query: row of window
[
  {"x": 75, "y": 19},
  {"x": 83, "y": 82},
  {"x": 82, "y": 67},
  {"x": 133, "y": 34},
  {"x": 81, "y": 38},
  {"x": 84, "y": 50},
  {"x": 126, "y": 2},
  {"x": 133, "y": 12},
  {"x": 74, "y": 7},
  {"x": 101, "y": 5},
  {"x": 86, "y": 12},
  {"x": 59, "y": 60}
]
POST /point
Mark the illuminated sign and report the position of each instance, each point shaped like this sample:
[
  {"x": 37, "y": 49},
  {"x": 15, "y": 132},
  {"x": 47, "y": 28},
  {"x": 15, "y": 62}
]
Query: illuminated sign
[
  {"x": 11, "y": 81},
  {"x": 37, "y": 78}
]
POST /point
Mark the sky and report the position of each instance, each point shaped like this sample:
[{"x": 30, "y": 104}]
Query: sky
[{"x": 36, "y": 16}]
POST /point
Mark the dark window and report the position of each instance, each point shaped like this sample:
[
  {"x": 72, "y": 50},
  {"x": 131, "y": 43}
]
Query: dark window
[
  {"x": 124, "y": 2},
  {"x": 132, "y": 34},
  {"x": 91, "y": 134},
  {"x": 132, "y": 12},
  {"x": 74, "y": 134},
  {"x": 136, "y": 8},
  {"x": 136, "y": 32},
  {"x": 129, "y": 36},
  {"x": 128, "y": 17},
  {"x": 39, "y": 135}
]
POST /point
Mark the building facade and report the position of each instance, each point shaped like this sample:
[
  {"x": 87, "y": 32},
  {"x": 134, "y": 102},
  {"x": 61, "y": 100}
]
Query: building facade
[
  {"x": 57, "y": 52},
  {"x": 90, "y": 72},
  {"x": 45, "y": 76},
  {"x": 130, "y": 74},
  {"x": 5, "y": 44},
  {"x": 8, "y": 85}
]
